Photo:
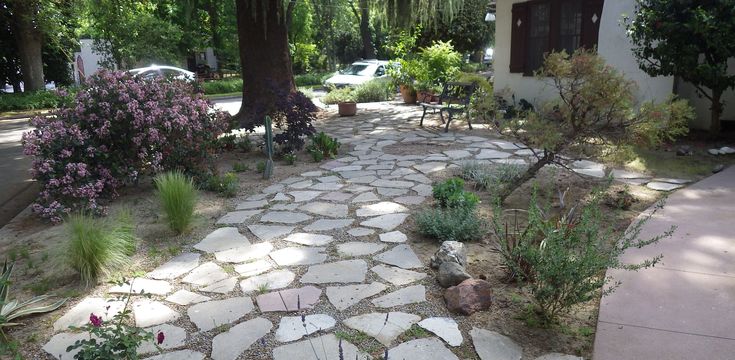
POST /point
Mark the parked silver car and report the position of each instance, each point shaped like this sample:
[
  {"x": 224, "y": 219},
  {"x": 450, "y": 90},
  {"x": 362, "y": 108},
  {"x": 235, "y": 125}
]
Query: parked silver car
[
  {"x": 358, "y": 73},
  {"x": 164, "y": 71}
]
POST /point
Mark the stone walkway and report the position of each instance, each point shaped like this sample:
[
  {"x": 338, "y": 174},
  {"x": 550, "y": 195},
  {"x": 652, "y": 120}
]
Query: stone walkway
[
  {"x": 315, "y": 253},
  {"x": 683, "y": 307}
]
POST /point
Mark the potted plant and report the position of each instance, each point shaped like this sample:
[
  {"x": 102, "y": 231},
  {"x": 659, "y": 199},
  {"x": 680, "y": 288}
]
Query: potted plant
[
  {"x": 424, "y": 91},
  {"x": 347, "y": 108},
  {"x": 345, "y": 100},
  {"x": 402, "y": 74}
]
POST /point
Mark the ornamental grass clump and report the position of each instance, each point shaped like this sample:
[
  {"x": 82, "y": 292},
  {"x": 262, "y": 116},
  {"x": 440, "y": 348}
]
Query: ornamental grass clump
[
  {"x": 454, "y": 217},
  {"x": 117, "y": 129},
  {"x": 98, "y": 246},
  {"x": 178, "y": 196}
]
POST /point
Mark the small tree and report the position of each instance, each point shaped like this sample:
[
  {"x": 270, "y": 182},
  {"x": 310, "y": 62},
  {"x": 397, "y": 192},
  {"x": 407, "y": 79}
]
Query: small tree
[
  {"x": 595, "y": 107},
  {"x": 689, "y": 39}
]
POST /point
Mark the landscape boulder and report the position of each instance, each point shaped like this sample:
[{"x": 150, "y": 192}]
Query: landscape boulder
[
  {"x": 451, "y": 274},
  {"x": 469, "y": 296},
  {"x": 449, "y": 251}
]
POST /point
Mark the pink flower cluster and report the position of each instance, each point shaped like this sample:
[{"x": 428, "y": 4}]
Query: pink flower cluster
[{"x": 118, "y": 128}]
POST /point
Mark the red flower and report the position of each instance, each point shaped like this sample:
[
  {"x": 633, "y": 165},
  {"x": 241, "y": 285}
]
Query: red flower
[
  {"x": 95, "y": 320},
  {"x": 160, "y": 337}
]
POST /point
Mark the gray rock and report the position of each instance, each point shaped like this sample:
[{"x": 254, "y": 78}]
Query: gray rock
[
  {"x": 451, "y": 274},
  {"x": 492, "y": 346},
  {"x": 383, "y": 327},
  {"x": 185, "y": 297},
  {"x": 230, "y": 344},
  {"x": 386, "y": 222},
  {"x": 393, "y": 237},
  {"x": 718, "y": 168},
  {"x": 176, "y": 267},
  {"x": 281, "y": 197},
  {"x": 356, "y": 248},
  {"x": 142, "y": 285},
  {"x": 347, "y": 271},
  {"x": 149, "y": 313},
  {"x": 381, "y": 208},
  {"x": 360, "y": 231},
  {"x": 293, "y": 328},
  {"x": 325, "y": 209},
  {"x": 174, "y": 337},
  {"x": 366, "y": 197},
  {"x": 221, "y": 287},
  {"x": 408, "y": 295},
  {"x": 558, "y": 356},
  {"x": 211, "y": 314},
  {"x": 401, "y": 256},
  {"x": 444, "y": 327},
  {"x": 79, "y": 314},
  {"x": 253, "y": 268},
  {"x": 291, "y": 256},
  {"x": 327, "y": 349},
  {"x": 205, "y": 274},
  {"x": 663, "y": 186},
  {"x": 244, "y": 253},
  {"x": 328, "y": 224},
  {"x": 57, "y": 345},
  {"x": 222, "y": 239},
  {"x": 306, "y": 195},
  {"x": 397, "y": 276},
  {"x": 255, "y": 204},
  {"x": 289, "y": 300},
  {"x": 284, "y": 217},
  {"x": 309, "y": 239},
  {"x": 270, "y": 232},
  {"x": 342, "y": 297},
  {"x": 424, "y": 349},
  {"x": 449, "y": 251},
  {"x": 179, "y": 355},
  {"x": 238, "y": 217},
  {"x": 598, "y": 173},
  {"x": 277, "y": 279}
]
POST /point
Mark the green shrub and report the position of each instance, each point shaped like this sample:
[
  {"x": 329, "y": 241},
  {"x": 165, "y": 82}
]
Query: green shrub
[
  {"x": 482, "y": 103},
  {"x": 311, "y": 78},
  {"x": 336, "y": 96},
  {"x": 374, "y": 90},
  {"x": 30, "y": 100},
  {"x": 13, "y": 309},
  {"x": 239, "y": 167},
  {"x": 178, "y": 196},
  {"x": 260, "y": 166},
  {"x": 451, "y": 194},
  {"x": 441, "y": 62},
  {"x": 97, "y": 247},
  {"x": 245, "y": 144},
  {"x": 492, "y": 178},
  {"x": 226, "y": 185},
  {"x": 289, "y": 158},
  {"x": 223, "y": 86},
  {"x": 323, "y": 146},
  {"x": 458, "y": 224},
  {"x": 563, "y": 259}
]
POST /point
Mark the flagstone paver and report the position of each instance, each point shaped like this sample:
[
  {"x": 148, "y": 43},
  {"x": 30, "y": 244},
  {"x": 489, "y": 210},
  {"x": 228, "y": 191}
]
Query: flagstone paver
[
  {"x": 402, "y": 256},
  {"x": 309, "y": 239},
  {"x": 57, "y": 345},
  {"x": 149, "y": 313},
  {"x": 325, "y": 209},
  {"x": 357, "y": 248},
  {"x": 347, "y": 271},
  {"x": 328, "y": 349},
  {"x": 270, "y": 232},
  {"x": 79, "y": 314},
  {"x": 205, "y": 274},
  {"x": 244, "y": 253},
  {"x": 293, "y": 328},
  {"x": 424, "y": 349},
  {"x": 230, "y": 344},
  {"x": 222, "y": 239},
  {"x": 185, "y": 297},
  {"x": 277, "y": 279},
  {"x": 381, "y": 208},
  {"x": 386, "y": 222},
  {"x": 408, "y": 295},
  {"x": 396, "y": 275},
  {"x": 238, "y": 217},
  {"x": 306, "y": 195},
  {"x": 140, "y": 285},
  {"x": 176, "y": 267},
  {"x": 255, "y": 204},
  {"x": 493, "y": 346},
  {"x": 384, "y": 327},
  {"x": 253, "y": 268},
  {"x": 285, "y": 217},
  {"x": 289, "y": 300},
  {"x": 291, "y": 256},
  {"x": 342, "y": 297},
  {"x": 393, "y": 237},
  {"x": 208, "y": 315},
  {"x": 174, "y": 337},
  {"x": 221, "y": 287},
  {"x": 445, "y": 328},
  {"x": 328, "y": 224}
]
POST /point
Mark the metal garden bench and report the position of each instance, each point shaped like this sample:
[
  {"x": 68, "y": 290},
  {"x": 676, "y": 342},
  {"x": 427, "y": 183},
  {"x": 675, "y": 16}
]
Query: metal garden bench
[{"x": 454, "y": 99}]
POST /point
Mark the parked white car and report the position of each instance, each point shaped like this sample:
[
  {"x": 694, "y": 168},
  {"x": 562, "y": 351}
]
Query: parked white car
[
  {"x": 165, "y": 71},
  {"x": 358, "y": 73}
]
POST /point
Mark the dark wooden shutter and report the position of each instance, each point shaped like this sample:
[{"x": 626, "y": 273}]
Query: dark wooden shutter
[
  {"x": 518, "y": 36},
  {"x": 591, "y": 18},
  {"x": 554, "y": 25}
]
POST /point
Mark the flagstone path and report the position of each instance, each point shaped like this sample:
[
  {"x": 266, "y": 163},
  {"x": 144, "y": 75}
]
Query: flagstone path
[{"x": 326, "y": 244}]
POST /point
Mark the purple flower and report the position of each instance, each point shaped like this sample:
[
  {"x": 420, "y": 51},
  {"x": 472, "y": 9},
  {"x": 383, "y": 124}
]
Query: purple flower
[
  {"x": 160, "y": 337},
  {"x": 95, "y": 320}
]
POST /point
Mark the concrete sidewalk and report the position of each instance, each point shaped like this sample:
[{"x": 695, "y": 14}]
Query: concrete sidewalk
[{"x": 684, "y": 308}]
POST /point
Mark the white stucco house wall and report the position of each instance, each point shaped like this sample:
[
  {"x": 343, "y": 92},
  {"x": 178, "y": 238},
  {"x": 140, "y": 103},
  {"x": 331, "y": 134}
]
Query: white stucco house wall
[
  {"x": 612, "y": 44},
  {"x": 86, "y": 60}
]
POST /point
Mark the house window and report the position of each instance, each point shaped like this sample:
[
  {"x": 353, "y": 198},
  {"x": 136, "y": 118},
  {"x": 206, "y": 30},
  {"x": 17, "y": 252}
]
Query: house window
[{"x": 541, "y": 26}]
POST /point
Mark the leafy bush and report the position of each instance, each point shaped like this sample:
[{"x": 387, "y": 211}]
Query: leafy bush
[
  {"x": 336, "y": 96},
  {"x": 441, "y": 62},
  {"x": 323, "y": 146},
  {"x": 294, "y": 116},
  {"x": 226, "y": 185},
  {"x": 32, "y": 100},
  {"x": 224, "y": 86},
  {"x": 240, "y": 167},
  {"x": 289, "y": 158},
  {"x": 118, "y": 128},
  {"x": 178, "y": 196},
  {"x": 562, "y": 259},
  {"x": 114, "y": 338},
  {"x": 97, "y": 247},
  {"x": 245, "y": 144},
  {"x": 311, "y": 79},
  {"x": 374, "y": 90},
  {"x": 13, "y": 309},
  {"x": 483, "y": 103},
  {"x": 451, "y": 194},
  {"x": 493, "y": 178},
  {"x": 458, "y": 224}
]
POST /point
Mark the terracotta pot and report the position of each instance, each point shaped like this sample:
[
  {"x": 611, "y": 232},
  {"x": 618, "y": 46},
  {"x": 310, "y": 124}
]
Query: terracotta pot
[
  {"x": 424, "y": 96},
  {"x": 409, "y": 94},
  {"x": 347, "y": 108}
]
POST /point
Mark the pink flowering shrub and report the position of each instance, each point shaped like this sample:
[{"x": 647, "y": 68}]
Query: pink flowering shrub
[{"x": 118, "y": 128}]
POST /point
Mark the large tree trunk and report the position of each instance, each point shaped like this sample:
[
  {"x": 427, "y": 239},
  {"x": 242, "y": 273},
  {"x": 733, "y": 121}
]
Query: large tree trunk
[
  {"x": 264, "y": 58},
  {"x": 368, "y": 50},
  {"x": 716, "y": 111},
  {"x": 29, "y": 40}
]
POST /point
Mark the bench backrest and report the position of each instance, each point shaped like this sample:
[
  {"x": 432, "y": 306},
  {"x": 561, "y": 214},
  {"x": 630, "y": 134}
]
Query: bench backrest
[{"x": 457, "y": 93}]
